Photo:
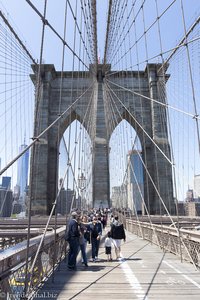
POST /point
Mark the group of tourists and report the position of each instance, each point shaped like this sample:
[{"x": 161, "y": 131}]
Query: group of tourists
[{"x": 88, "y": 228}]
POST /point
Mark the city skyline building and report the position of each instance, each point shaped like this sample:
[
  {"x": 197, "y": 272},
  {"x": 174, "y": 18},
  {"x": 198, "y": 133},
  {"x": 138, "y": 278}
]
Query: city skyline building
[
  {"x": 115, "y": 197},
  {"x": 22, "y": 175},
  {"x": 197, "y": 186},
  {"x": 135, "y": 182},
  {"x": 0, "y": 166},
  {"x": 119, "y": 196},
  {"x": 6, "y": 197},
  {"x": 6, "y": 182},
  {"x": 189, "y": 195},
  {"x": 6, "y": 200}
]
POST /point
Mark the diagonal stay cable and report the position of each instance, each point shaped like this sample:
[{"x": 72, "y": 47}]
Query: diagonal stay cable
[
  {"x": 79, "y": 30},
  {"x": 140, "y": 126},
  {"x": 156, "y": 189},
  {"x": 45, "y": 21},
  {"x": 55, "y": 202},
  {"x": 115, "y": 27},
  {"x": 87, "y": 27},
  {"x": 183, "y": 41},
  {"x": 191, "y": 74},
  {"x": 149, "y": 175},
  {"x": 76, "y": 141},
  {"x": 36, "y": 139},
  {"x": 133, "y": 146},
  {"x": 143, "y": 34},
  {"x": 179, "y": 46},
  {"x": 156, "y": 101},
  {"x": 94, "y": 22},
  {"x": 16, "y": 36}
]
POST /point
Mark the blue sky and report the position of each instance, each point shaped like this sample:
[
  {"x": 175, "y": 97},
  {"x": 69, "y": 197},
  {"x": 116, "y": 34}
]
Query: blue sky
[{"x": 28, "y": 26}]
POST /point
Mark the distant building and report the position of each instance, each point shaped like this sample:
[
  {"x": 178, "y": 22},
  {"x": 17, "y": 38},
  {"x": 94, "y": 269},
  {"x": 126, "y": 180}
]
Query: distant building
[
  {"x": 6, "y": 200},
  {"x": 115, "y": 197},
  {"x": 189, "y": 196},
  {"x": 124, "y": 195},
  {"x": 16, "y": 192},
  {"x": 181, "y": 208},
  {"x": 65, "y": 201},
  {"x": 6, "y": 182},
  {"x": 16, "y": 208},
  {"x": 119, "y": 196},
  {"x": 189, "y": 209},
  {"x": 22, "y": 175},
  {"x": 192, "y": 209},
  {"x": 197, "y": 186},
  {"x": 135, "y": 184}
]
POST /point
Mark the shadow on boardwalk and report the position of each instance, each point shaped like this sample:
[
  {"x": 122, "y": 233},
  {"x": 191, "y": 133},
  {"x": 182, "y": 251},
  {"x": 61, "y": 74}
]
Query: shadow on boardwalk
[{"x": 146, "y": 273}]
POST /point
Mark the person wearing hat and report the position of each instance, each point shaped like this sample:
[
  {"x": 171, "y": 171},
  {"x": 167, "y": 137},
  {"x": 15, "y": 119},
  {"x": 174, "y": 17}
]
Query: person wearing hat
[{"x": 73, "y": 235}]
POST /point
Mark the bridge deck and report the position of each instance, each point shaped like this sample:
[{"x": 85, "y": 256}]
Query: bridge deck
[{"x": 146, "y": 273}]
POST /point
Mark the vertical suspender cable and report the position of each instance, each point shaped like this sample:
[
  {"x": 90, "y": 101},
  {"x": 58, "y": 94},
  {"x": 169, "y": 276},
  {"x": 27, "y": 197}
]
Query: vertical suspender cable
[
  {"x": 58, "y": 135},
  {"x": 190, "y": 72},
  {"x": 33, "y": 151}
]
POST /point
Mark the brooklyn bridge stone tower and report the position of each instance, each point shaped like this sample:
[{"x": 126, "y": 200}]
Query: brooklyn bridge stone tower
[{"x": 44, "y": 161}]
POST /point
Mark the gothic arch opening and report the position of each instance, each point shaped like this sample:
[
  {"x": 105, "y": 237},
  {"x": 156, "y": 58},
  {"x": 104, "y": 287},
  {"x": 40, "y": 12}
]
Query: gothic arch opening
[
  {"x": 75, "y": 169},
  {"x": 126, "y": 169}
]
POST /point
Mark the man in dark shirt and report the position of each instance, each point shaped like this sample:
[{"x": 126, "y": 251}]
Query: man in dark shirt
[
  {"x": 96, "y": 232},
  {"x": 73, "y": 235}
]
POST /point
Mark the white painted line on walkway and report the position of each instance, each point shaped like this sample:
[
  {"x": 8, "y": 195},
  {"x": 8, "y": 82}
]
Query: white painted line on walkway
[
  {"x": 135, "y": 284},
  {"x": 185, "y": 276}
]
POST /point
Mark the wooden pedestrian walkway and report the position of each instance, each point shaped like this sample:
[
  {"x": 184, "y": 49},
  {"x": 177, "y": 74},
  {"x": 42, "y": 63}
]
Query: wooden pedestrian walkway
[{"x": 145, "y": 273}]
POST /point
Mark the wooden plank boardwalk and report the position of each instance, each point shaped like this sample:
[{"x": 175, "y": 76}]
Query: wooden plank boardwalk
[{"x": 146, "y": 273}]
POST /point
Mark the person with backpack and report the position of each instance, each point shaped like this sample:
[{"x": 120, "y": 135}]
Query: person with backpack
[{"x": 117, "y": 234}]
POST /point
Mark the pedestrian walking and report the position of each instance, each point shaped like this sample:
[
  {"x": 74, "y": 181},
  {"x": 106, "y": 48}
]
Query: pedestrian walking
[
  {"x": 96, "y": 232},
  {"x": 117, "y": 234},
  {"x": 108, "y": 246},
  {"x": 72, "y": 236},
  {"x": 84, "y": 238}
]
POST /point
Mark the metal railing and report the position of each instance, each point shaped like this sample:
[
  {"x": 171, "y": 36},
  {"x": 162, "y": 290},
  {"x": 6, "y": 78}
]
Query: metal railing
[
  {"x": 13, "y": 264},
  {"x": 182, "y": 242}
]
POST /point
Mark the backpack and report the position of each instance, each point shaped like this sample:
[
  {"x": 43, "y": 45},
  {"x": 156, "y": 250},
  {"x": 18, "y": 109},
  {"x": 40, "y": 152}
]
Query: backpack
[{"x": 117, "y": 232}]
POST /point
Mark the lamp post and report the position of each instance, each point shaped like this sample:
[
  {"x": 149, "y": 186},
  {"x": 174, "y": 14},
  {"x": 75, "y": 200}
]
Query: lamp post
[{"x": 82, "y": 186}]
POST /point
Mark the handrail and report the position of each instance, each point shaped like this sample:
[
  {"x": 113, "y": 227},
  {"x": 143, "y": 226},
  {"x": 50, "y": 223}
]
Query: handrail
[
  {"x": 15, "y": 255},
  {"x": 167, "y": 238},
  {"x": 192, "y": 235}
]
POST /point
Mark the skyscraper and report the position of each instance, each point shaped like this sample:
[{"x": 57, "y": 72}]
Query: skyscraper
[
  {"x": 0, "y": 166},
  {"x": 6, "y": 200},
  {"x": 135, "y": 184},
  {"x": 22, "y": 174},
  {"x": 6, "y": 182}
]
